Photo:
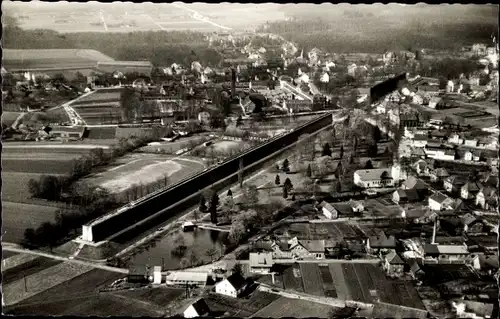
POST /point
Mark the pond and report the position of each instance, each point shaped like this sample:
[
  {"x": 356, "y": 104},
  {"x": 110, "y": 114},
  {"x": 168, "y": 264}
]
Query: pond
[{"x": 197, "y": 243}]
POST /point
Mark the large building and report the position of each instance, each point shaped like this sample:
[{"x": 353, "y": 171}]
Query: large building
[{"x": 378, "y": 177}]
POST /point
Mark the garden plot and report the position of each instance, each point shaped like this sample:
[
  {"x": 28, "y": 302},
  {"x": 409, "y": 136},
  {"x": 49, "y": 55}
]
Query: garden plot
[{"x": 294, "y": 308}]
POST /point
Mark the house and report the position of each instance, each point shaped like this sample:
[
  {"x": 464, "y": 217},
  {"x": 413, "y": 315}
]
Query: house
[
  {"x": 454, "y": 183},
  {"x": 356, "y": 206},
  {"x": 393, "y": 264},
  {"x": 485, "y": 263},
  {"x": 232, "y": 286},
  {"x": 471, "y": 142},
  {"x": 204, "y": 117},
  {"x": 438, "y": 175},
  {"x": 380, "y": 243},
  {"x": 446, "y": 253},
  {"x": 328, "y": 210},
  {"x": 487, "y": 198},
  {"x": 307, "y": 249},
  {"x": 415, "y": 215},
  {"x": 416, "y": 270},
  {"x": 414, "y": 183},
  {"x": 379, "y": 177},
  {"x": 198, "y": 279},
  {"x": 139, "y": 274},
  {"x": 439, "y": 201},
  {"x": 434, "y": 101},
  {"x": 473, "y": 309},
  {"x": 199, "y": 308},
  {"x": 489, "y": 180},
  {"x": 280, "y": 250},
  {"x": 157, "y": 277},
  {"x": 472, "y": 225},
  {"x": 421, "y": 167},
  {"x": 260, "y": 263},
  {"x": 402, "y": 196},
  {"x": 67, "y": 132},
  {"x": 419, "y": 140},
  {"x": 418, "y": 152},
  {"x": 469, "y": 190}
]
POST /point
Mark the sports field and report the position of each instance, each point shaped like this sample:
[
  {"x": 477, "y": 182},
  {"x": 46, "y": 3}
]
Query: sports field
[{"x": 145, "y": 169}]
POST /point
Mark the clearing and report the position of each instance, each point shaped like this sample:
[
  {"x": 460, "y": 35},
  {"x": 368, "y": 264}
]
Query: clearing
[
  {"x": 145, "y": 169},
  {"x": 8, "y": 118}
]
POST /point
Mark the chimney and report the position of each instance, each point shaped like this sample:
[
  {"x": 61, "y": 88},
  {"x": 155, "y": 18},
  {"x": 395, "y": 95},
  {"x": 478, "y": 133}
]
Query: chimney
[
  {"x": 233, "y": 83},
  {"x": 434, "y": 231}
]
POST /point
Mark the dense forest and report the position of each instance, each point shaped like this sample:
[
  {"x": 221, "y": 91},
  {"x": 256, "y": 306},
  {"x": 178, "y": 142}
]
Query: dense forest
[
  {"x": 161, "y": 48},
  {"x": 346, "y": 28}
]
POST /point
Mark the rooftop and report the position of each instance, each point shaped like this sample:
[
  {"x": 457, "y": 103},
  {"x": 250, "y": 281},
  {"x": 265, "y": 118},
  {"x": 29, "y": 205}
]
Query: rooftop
[
  {"x": 187, "y": 276},
  {"x": 261, "y": 260},
  {"x": 373, "y": 174},
  {"x": 446, "y": 249}
]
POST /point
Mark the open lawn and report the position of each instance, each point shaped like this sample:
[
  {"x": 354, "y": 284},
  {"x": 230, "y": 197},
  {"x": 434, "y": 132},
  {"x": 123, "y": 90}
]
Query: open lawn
[
  {"x": 99, "y": 96},
  {"x": 160, "y": 296},
  {"x": 294, "y": 308},
  {"x": 172, "y": 147},
  {"x": 144, "y": 169},
  {"x": 58, "y": 114},
  {"x": 17, "y": 217},
  {"x": 36, "y": 283},
  {"x": 7, "y": 254},
  {"x": 31, "y": 161}
]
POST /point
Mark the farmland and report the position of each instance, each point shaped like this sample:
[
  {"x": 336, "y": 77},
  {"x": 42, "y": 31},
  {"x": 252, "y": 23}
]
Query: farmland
[
  {"x": 17, "y": 217},
  {"x": 52, "y": 58},
  {"x": 26, "y": 265},
  {"x": 36, "y": 283},
  {"x": 294, "y": 308},
  {"x": 100, "y": 107},
  {"x": 145, "y": 169},
  {"x": 319, "y": 230},
  {"x": 348, "y": 281},
  {"x": 240, "y": 307}
]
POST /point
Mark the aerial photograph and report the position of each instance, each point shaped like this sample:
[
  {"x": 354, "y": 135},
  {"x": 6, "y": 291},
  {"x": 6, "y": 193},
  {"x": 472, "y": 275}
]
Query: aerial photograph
[{"x": 250, "y": 160}]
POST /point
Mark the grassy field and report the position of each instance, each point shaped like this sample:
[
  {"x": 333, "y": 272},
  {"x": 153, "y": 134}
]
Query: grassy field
[
  {"x": 145, "y": 168},
  {"x": 293, "y": 308},
  {"x": 38, "y": 161},
  {"x": 58, "y": 113},
  {"x": 224, "y": 146},
  {"x": 8, "y": 118},
  {"x": 36, "y": 283},
  {"x": 99, "y": 96},
  {"x": 17, "y": 217},
  {"x": 7, "y": 254},
  {"x": 172, "y": 147},
  {"x": 27, "y": 267}
]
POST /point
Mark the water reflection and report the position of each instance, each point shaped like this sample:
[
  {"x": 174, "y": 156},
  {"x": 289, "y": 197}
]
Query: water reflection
[{"x": 198, "y": 242}]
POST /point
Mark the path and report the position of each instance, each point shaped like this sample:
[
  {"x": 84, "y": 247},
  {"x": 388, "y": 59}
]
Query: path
[
  {"x": 197, "y": 16},
  {"x": 75, "y": 118},
  {"x": 13, "y": 248}
]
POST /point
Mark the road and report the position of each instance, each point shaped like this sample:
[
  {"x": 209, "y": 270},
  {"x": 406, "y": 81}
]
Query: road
[
  {"x": 17, "y": 249},
  {"x": 299, "y": 94},
  {"x": 198, "y": 16},
  {"x": 74, "y": 117}
]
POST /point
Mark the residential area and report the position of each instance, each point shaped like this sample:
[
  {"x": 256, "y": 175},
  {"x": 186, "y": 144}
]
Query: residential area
[{"x": 264, "y": 177}]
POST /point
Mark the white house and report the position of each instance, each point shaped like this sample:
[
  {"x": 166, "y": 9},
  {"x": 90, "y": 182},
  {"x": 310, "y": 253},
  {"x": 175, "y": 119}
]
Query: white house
[
  {"x": 433, "y": 102},
  {"x": 329, "y": 211},
  {"x": 307, "y": 249},
  {"x": 439, "y": 201},
  {"x": 199, "y": 308},
  {"x": 232, "y": 286},
  {"x": 379, "y": 177},
  {"x": 157, "y": 275},
  {"x": 469, "y": 190},
  {"x": 471, "y": 142},
  {"x": 487, "y": 198}
]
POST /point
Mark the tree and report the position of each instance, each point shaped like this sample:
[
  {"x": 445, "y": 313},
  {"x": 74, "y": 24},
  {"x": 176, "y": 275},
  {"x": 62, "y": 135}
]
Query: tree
[
  {"x": 214, "y": 202},
  {"x": 211, "y": 253},
  {"x": 341, "y": 152},
  {"x": 30, "y": 237},
  {"x": 309, "y": 171},
  {"x": 339, "y": 170},
  {"x": 288, "y": 184},
  {"x": 286, "y": 165},
  {"x": 373, "y": 149},
  {"x": 193, "y": 259},
  {"x": 377, "y": 135},
  {"x": 293, "y": 197},
  {"x": 277, "y": 180},
  {"x": 251, "y": 194},
  {"x": 285, "y": 192},
  {"x": 34, "y": 187},
  {"x": 202, "y": 206},
  {"x": 326, "y": 150},
  {"x": 368, "y": 164},
  {"x": 237, "y": 269},
  {"x": 184, "y": 263}
]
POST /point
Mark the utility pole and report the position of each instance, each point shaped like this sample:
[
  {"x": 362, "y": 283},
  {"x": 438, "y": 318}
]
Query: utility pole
[{"x": 25, "y": 285}]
